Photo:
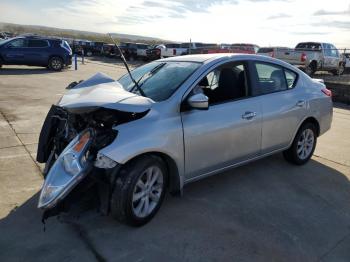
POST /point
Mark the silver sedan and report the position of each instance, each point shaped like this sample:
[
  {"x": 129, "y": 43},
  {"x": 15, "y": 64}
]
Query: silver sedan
[{"x": 183, "y": 119}]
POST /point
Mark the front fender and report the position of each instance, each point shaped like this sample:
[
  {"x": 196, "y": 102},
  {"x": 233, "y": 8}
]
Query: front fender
[{"x": 155, "y": 132}]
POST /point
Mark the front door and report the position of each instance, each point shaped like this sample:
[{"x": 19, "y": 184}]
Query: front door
[
  {"x": 230, "y": 130},
  {"x": 15, "y": 51}
]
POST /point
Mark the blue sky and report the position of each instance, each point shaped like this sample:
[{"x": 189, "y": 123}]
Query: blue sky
[{"x": 264, "y": 22}]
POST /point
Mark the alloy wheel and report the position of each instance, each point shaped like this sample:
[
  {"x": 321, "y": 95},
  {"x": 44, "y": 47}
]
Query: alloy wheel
[
  {"x": 305, "y": 144},
  {"x": 56, "y": 63},
  {"x": 147, "y": 192}
]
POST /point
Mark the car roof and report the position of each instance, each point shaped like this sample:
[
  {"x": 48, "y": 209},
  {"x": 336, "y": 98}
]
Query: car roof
[
  {"x": 196, "y": 58},
  {"x": 201, "y": 58},
  {"x": 214, "y": 58},
  {"x": 34, "y": 37}
]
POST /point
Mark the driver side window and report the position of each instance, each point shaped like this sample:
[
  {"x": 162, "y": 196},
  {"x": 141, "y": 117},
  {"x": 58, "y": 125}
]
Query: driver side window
[{"x": 225, "y": 83}]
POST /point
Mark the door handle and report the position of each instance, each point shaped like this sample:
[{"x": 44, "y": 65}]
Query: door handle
[
  {"x": 300, "y": 103},
  {"x": 249, "y": 115}
]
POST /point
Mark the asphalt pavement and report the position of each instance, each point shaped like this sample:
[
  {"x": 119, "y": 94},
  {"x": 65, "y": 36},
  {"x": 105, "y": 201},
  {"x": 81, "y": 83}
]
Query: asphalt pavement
[{"x": 268, "y": 210}]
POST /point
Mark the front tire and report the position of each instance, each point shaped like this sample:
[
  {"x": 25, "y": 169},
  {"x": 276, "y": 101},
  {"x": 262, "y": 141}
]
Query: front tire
[
  {"x": 56, "y": 63},
  {"x": 303, "y": 145},
  {"x": 139, "y": 191}
]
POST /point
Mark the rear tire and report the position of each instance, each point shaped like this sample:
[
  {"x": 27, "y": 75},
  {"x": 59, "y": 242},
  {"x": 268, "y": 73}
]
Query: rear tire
[
  {"x": 56, "y": 63},
  {"x": 139, "y": 191},
  {"x": 303, "y": 145}
]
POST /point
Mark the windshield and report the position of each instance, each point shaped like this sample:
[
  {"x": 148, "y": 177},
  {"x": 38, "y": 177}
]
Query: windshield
[
  {"x": 5, "y": 41},
  {"x": 159, "y": 80}
]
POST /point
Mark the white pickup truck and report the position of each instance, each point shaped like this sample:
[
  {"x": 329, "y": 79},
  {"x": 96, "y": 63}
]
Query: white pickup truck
[
  {"x": 170, "y": 50},
  {"x": 314, "y": 56}
]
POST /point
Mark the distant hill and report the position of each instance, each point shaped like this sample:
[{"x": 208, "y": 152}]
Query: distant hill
[{"x": 76, "y": 34}]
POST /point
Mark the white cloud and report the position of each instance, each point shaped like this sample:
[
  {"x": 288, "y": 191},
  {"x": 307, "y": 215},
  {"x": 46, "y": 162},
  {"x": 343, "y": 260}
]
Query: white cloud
[{"x": 264, "y": 22}]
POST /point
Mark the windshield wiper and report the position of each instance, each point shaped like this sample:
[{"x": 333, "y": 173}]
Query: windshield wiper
[
  {"x": 127, "y": 67},
  {"x": 149, "y": 74}
]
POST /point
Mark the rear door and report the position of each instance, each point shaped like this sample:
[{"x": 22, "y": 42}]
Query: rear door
[
  {"x": 228, "y": 132},
  {"x": 37, "y": 52},
  {"x": 14, "y": 51},
  {"x": 283, "y": 104}
]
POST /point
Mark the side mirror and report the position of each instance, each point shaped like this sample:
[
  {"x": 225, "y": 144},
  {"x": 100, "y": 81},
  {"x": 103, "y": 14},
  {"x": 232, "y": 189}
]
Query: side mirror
[{"x": 199, "y": 101}]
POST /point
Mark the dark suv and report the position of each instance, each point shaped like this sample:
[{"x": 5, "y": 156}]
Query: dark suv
[{"x": 35, "y": 51}]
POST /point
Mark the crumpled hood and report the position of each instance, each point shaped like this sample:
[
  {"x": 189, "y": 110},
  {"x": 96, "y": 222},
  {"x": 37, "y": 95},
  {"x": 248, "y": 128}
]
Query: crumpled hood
[{"x": 102, "y": 91}]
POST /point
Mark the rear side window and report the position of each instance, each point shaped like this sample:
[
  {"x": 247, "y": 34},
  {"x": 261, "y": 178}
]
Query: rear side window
[
  {"x": 37, "y": 43},
  {"x": 309, "y": 46},
  {"x": 291, "y": 78},
  {"x": 273, "y": 78},
  {"x": 265, "y": 50},
  {"x": 66, "y": 45}
]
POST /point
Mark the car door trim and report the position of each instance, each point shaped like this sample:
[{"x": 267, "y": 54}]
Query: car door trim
[{"x": 229, "y": 167}]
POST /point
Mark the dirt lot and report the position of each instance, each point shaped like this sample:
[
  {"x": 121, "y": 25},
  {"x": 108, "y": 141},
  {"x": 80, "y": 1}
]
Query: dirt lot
[{"x": 266, "y": 211}]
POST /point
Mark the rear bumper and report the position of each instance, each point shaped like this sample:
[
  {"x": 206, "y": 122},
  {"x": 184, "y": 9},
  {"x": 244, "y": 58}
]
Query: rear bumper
[{"x": 68, "y": 60}]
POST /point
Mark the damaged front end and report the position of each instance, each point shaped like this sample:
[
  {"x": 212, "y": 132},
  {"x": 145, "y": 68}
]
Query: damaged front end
[{"x": 74, "y": 132}]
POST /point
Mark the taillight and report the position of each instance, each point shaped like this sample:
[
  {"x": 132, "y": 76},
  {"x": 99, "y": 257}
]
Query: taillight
[
  {"x": 327, "y": 92},
  {"x": 303, "y": 57}
]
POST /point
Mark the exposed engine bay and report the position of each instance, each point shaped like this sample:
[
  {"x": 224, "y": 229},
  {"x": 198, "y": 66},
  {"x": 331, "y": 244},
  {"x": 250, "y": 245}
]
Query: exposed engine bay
[
  {"x": 73, "y": 133},
  {"x": 62, "y": 125}
]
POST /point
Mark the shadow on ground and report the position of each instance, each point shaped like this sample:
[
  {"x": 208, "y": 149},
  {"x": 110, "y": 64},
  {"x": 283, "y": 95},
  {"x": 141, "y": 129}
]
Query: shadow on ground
[
  {"x": 113, "y": 61},
  {"x": 26, "y": 71},
  {"x": 266, "y": 211}
]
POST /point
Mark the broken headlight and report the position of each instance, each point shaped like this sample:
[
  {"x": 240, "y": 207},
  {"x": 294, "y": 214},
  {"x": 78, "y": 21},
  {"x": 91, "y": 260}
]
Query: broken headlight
[{"x": 69, "y": 169}]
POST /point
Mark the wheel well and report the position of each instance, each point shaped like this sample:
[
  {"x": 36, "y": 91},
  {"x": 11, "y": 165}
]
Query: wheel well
[
  {"x": 174, "y": 184},
  {"x": 313, "y": 65},
  {"x": 51, "y": 56},
  {"x": 313, "y": 121}
]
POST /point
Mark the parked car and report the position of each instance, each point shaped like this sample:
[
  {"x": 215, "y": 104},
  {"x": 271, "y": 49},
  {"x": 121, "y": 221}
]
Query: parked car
[
  {"x": 314, "y": 56},
  {"x": 188, "y": 118},
  {"x": 6, "y": 35},
  {"x": 347, "y": 62},
  {"x": 93, "y": 48},
  {"x": 154, "y": 52},
  {"x": 54, "y": 54},
  {"x": 129, "y": 50},
  {"x": 171, "y": 49},
  {"x": 244, "y": 48},
  {"x": 272, "y": 50},
  {"x": 109, "y": 50}
]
